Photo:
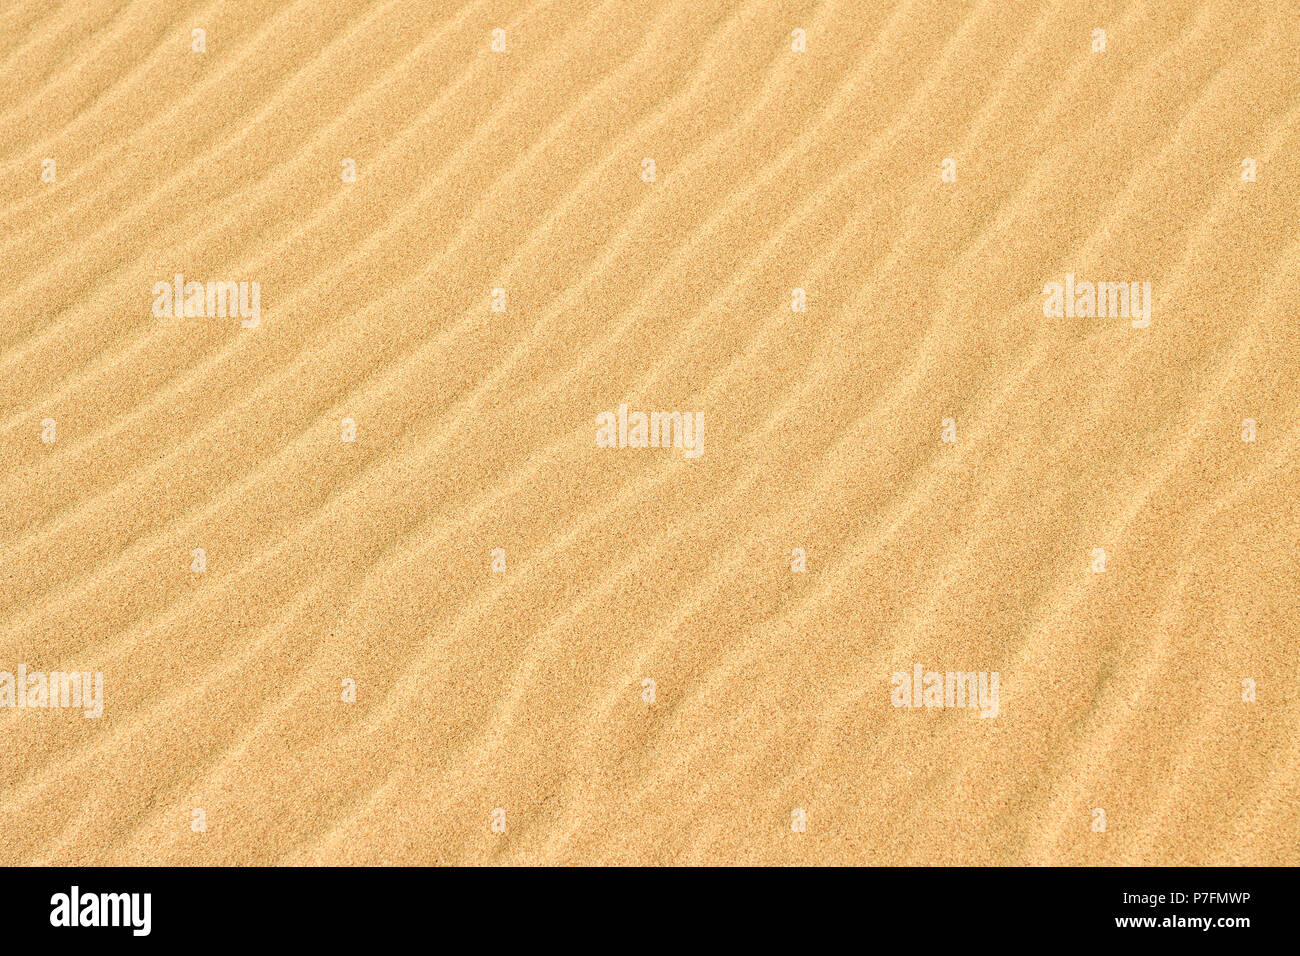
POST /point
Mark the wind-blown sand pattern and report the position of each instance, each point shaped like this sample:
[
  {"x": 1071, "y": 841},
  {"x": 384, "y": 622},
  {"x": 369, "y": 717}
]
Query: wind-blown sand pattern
[{"x": 649, "y": 679}]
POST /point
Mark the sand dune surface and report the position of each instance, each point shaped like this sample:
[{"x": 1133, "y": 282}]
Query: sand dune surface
[{"x": 938, "y": 551}]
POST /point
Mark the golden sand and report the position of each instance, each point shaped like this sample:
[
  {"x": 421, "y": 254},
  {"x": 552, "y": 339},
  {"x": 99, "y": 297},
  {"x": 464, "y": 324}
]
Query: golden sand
[{"x": 649, "y": 679}]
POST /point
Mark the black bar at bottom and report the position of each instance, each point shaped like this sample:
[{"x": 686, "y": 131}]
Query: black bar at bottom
[{"x": 337, "y": 906}]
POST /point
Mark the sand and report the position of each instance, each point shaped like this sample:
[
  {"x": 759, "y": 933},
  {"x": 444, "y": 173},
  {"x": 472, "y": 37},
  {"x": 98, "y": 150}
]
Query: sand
[{"x": 652, "y": 672}]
